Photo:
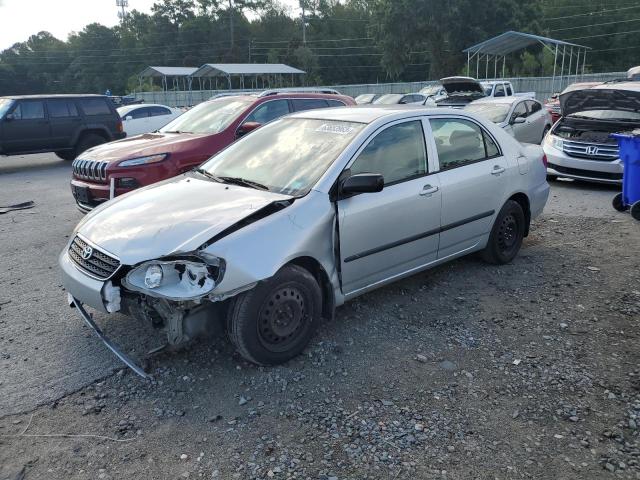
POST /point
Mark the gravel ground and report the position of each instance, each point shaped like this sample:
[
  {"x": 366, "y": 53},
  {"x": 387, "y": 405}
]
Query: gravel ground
[{"x": 530, "y": 370}]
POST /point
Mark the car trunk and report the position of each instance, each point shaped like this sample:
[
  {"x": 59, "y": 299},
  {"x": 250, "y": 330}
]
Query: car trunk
[{"x": 460, "y": 91}]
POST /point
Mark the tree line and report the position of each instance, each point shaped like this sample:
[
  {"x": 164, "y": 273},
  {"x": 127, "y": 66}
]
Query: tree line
[{"x": 335, "y": 42}]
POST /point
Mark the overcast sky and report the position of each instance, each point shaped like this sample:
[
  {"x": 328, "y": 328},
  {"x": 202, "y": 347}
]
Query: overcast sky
[{"x": 21, "y": 18}]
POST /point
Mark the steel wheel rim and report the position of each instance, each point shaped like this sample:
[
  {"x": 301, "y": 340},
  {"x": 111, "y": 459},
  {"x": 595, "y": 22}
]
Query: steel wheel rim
[
  {"x": 508, "y": 234},
  {"x": 282, "y": 317}
]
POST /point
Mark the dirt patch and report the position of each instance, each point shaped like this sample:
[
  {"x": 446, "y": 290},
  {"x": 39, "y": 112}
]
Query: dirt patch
[{"x": 529, "y": 370}]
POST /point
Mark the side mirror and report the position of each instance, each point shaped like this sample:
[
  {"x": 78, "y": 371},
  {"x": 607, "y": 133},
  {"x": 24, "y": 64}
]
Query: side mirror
[
  {"x": 246, "y": 128},
  {"x": 362, "y": 183},
  {"x": 9, "y": 117},
  {"x": 518, "y": 120}
]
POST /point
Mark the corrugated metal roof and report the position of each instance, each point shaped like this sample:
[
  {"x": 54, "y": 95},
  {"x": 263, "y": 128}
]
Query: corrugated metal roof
[
  {"x": 168, "y": 71},
  {"x": 224, "y": 69},
  {"x": 511, "y": 41}
]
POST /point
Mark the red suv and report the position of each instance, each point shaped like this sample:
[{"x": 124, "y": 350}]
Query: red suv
[{"x": 118, "y": 167}]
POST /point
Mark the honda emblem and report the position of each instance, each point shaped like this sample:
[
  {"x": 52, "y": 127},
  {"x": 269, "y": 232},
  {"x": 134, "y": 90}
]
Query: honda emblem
[{"x": 592, "y": 150}]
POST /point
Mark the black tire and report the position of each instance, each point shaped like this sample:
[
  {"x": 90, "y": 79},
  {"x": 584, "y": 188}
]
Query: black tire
[
  {"x": 66, "y": 154},
  {"x": 506, "y": 235},
  {"x": 618, "y": 204},
  {"x": 274, "y": 322},
  {"x": 635, "y": 210},
  {"x": 544, "y": 133},
  {"x": 88, "y": 141}
]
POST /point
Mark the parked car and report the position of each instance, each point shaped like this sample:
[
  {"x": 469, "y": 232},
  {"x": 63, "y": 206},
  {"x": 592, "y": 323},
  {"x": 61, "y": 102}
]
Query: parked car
[
  {"x": 366, "y": 98},
  {"x": 435, "y": 91},
  {"x": 64, "y": 124},
  {"x": 184, "y": 143},
  {"x": 633, "y": 74},
  {"x": 502, "y": 88},
  {"x": 400, "y": 99},
  {"x": 274, "y": 232},
  {"x": 145, "y": 118},
  {"x": 580, "y": 145},
  {"x": 460, "y": 92},
  {"x": 520, "y": 117},
  {"x": 553, "y": 104}
]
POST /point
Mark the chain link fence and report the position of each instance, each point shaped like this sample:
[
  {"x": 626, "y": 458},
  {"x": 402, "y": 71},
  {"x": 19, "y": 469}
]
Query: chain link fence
[{"x": 544, "y": 87}]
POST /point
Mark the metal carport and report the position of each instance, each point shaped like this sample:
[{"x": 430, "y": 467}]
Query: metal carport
[
  {"x": 499, "y": 47},
  {"x": 176, "y": 74},
  {"x": 242, "y": 70}
]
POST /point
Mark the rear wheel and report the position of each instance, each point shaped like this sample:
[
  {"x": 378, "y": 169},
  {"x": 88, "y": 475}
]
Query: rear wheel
[
  {"x": 66, "y": 154},
  {"x": 635, "y": 210},
  {"x": 618, "y": 204},
  {"x": 275, "y": 321},
  {"x": 88, "y": 141},
  {"x": 506, "y": 235}
]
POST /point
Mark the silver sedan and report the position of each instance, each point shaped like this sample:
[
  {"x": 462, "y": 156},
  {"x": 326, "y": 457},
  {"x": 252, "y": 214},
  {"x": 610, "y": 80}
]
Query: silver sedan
[
  {"x": 525, "y": 119},
  {"x": 302, "y": 215}
]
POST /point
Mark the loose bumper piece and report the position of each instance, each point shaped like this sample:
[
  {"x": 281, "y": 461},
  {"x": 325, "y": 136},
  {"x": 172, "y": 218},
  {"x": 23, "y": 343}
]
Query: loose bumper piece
[{"x": 110, "y": 345}]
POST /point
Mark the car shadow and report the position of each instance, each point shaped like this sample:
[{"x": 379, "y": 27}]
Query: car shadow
[{"x": 30, "y": 163}]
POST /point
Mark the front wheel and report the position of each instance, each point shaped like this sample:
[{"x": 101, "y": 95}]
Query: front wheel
[
  {"x": 274, "y": 322},
  {"x": 506, "y": 235},
  {"x": 635, "y": 210},
  {"x": 66, "y": 154},
  {"x": 618, "y": 203}
]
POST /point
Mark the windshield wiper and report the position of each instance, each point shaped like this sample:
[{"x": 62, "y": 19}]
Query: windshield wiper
[
  {"x": 207, "y": 174},
  {"x": 244, "y": 182}
]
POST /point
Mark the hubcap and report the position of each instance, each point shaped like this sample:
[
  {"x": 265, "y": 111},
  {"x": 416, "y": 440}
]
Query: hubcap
[
  {"x": 508, "y": 233},
  {"x": 282, "y": 317}
]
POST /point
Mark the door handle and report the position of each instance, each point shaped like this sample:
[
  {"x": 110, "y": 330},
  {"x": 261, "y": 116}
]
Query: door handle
[
  {"x": 428, "y": 190},
  {"x": 497, "y": 170}
]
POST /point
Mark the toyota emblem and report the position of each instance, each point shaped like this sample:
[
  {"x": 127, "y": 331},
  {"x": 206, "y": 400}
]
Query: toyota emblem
[
  {"x": 592, "y": 150},
  {"x": 87, "y": 252}
]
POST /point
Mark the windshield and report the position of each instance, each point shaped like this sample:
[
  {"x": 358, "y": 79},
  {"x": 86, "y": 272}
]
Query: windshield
[
  {"x": 389, "y": 99},
  {"x": 5, "y": 104},
  {"x": 286, "y": 156},
  {"x": 432, "y": 90},
  {"x": 607, "y": 115},
  {"x": 496, "y": 112},
  {"x": 209, "y": 117}
]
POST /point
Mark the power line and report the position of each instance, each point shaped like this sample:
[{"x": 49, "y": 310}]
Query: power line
[
  {"x": 615, "y": 49},
  {"x": 595, "y": 25},
  {"x": 592, "y": 13},
  {"x": 602, "y": 35}
]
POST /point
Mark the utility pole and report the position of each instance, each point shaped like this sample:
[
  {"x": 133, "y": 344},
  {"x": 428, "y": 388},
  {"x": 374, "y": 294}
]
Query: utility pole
[
  {"x": 304, "y": 23},
  {"x": 123, "y": 4}
]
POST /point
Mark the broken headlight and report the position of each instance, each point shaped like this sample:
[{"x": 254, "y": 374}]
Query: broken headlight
[{"x": 174, "y": 280}]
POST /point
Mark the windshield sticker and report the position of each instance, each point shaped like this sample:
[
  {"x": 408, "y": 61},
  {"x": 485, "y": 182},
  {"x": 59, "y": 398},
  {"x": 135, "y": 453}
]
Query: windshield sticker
[{"x": 335, "y": 128}]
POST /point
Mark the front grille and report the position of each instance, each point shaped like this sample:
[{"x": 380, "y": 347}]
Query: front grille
[
  {"x": 90, "y": 169},
  {"x": 591, "y": 151},
  {"x": 587, "y": 173},
  {"x": 97, "y": 263}
]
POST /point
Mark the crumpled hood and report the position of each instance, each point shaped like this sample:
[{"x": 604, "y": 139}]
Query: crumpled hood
[
  {"x": 462, "y": 86},
  {"x": 143, "y": 145},
  {"x": 599, "y": 99},
  {"x": 170, "y": 217}
]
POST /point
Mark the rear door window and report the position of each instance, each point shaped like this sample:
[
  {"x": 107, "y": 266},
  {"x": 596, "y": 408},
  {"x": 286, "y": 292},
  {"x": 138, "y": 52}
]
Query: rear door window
[
  {"x": 509, "y": 91},
  {"x": 461, "y": 142},
  {"x": 269, "y": 111},
  {"x": 94, "y": 106},
  {"x": 300, "y": 104},
  {"x": 62, "y": 108},
  {"x": 29, "y": 110},
  {"x": 158, "y": 111},
  {"x": 138, "y": 113}
]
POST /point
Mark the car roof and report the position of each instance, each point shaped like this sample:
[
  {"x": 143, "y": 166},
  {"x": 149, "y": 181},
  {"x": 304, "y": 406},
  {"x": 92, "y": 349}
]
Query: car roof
[
  {"x": 371, "y": 113},
  {"x": 629, "y": 85},
  {"x": 128, "y": 108},
  {"x": 44, "y": 97}
]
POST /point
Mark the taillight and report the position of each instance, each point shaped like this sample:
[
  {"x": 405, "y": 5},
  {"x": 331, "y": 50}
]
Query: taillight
[
  {"x": 544, "y": 160},
  {"x": 119, "y": 126}
]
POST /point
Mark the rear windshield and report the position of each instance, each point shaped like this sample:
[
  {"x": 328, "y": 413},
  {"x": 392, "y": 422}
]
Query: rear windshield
[
  {"x": 496, "y": 112},
  {"x": 94, "y": 106},
  {"x": 5, "y": 105},
  {"x": 209, "y": 117}
]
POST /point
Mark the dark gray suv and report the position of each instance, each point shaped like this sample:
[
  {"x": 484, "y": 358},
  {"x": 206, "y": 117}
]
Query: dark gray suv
[{"x": 65, "y": 124}]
